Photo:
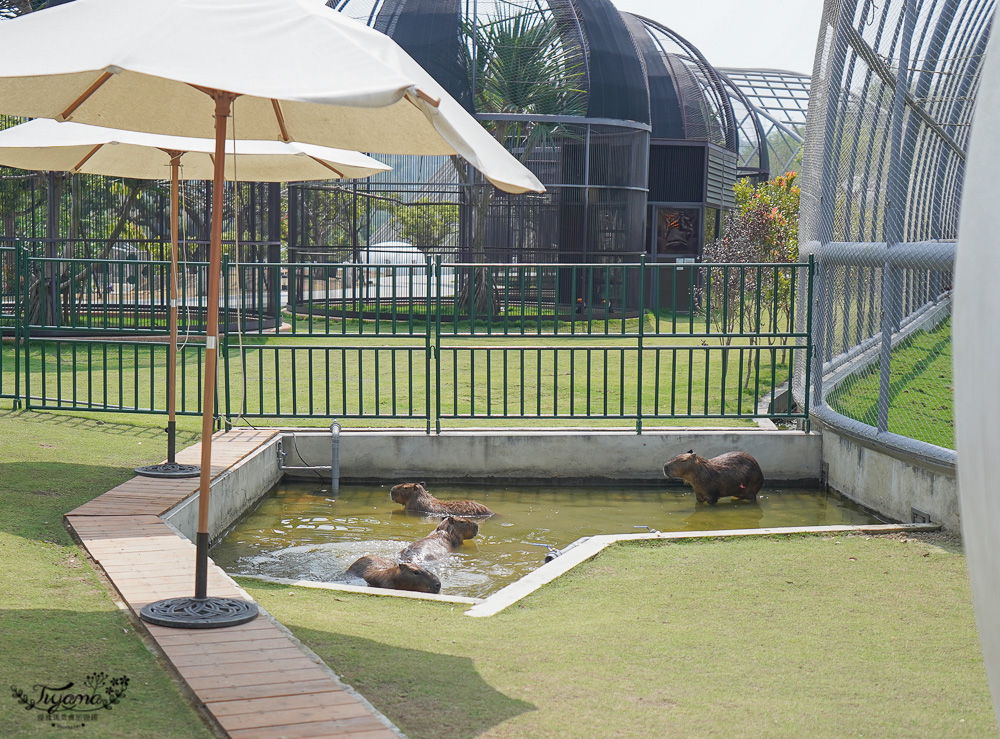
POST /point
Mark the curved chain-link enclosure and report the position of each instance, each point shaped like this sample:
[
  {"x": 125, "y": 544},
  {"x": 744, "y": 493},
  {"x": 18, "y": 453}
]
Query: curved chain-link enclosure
[{"x": 894, "y": 88}]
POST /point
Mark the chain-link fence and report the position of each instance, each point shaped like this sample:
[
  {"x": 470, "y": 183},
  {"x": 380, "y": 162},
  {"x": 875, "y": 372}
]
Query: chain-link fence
[{"x": 894, "y": 89}]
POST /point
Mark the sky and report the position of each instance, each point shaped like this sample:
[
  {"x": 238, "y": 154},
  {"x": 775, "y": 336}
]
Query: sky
[{"x": 762, "y": 34}]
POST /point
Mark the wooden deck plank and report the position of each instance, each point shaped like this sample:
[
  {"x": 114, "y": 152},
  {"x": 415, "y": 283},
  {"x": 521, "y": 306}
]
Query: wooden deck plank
[
  {"x": 259, "y": 628},
  {"x": 316, "y": 730},
  {"x": 299, "y": 662},
  {"x": 282, "y": 703},
  {"x": 195, "y": 648},
  {"x": 340, "y": 717},
  {"x": 220, "y": 696},
  {"x": 237, "y": 660},
  {"x": 270, "y": 677}
]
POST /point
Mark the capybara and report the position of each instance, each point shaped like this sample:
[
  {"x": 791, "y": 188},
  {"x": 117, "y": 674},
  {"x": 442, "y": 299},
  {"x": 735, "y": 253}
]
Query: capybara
[
  {"x": 414, "y": 497},
  {"x": 448, "y": 535},
  {"x": 381, "y": 573},
  {"x": 735, "y": 474}
]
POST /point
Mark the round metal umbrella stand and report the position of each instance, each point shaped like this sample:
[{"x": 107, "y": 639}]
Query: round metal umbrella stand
[
  {"x": 169, "y": 470},
  {"x": 199, "y": 613}
]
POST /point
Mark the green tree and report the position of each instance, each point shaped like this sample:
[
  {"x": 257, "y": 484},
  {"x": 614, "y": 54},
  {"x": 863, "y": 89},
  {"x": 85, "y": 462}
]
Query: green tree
[
  {"x": 518, "y": 63},
  {"x": 762, "y": 228},
  {"x": 426, "y": 223}
]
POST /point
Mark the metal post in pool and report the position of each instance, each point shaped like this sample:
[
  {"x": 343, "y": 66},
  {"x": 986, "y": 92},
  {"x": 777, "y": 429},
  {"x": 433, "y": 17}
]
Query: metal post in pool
[{"x": 335, "y": 458}]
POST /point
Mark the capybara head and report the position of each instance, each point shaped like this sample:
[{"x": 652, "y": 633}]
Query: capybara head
[
  {"x": 461, "y": 526},
  {"x": 682, "y": 464},
  {"x": 406, "y": 491},
  {"x": 417, "y": 579}
]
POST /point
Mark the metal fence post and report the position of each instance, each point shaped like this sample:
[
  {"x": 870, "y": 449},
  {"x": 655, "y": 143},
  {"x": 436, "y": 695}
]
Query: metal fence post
[
  {"x": 810, "y": 347},
  {"x": 19, "y": 314},
  {"x": 642, "y": 324},
  {"x": 895, "y": 218},
  {"x": 25, "y": 276},
  {"x": 437, "y": 356},
  {"x": 224, "y": 341},
  {"x": 818, "y": 319},
  {"x": 433, "y": 280}
]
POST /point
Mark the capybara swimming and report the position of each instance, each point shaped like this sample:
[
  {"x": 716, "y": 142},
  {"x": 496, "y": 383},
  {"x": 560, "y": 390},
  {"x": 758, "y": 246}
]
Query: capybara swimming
[
  {"x": 381, "y": 573},
  {"x": 735, "y": 474},
  {"x": 448, "y": 535},
  {"x": 414, "y": 497}
]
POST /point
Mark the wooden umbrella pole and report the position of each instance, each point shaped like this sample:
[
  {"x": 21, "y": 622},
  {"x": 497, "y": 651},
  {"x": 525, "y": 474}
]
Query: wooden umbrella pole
[
  {"x": 223, "y": 106},
  {"x": 175, "y": 164}
]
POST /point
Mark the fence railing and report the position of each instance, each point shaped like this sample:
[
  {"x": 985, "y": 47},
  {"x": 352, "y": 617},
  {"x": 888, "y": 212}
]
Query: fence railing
[{"x": 431, "y": 343}]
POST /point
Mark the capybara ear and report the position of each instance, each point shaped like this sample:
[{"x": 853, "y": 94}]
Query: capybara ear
[
  {"x": 422, "y": 484},
  {"x": 690, "y": 451},
  {"x": 407, "y": 566}
]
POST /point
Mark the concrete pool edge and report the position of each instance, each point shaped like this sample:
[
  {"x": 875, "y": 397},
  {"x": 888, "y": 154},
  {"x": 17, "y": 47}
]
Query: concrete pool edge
[
  {"x": 580, "y": 551},
  {"x": 362, "y": 589}
]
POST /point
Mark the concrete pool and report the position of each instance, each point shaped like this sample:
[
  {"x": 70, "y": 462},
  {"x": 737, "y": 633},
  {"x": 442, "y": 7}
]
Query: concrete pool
[{"x": 301, "y": 531}]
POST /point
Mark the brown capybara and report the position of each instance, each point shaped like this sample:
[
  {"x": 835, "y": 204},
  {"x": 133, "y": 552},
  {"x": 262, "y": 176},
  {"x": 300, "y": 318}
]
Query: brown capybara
[
  {"x": 734, "y": 474},
  {"x": 448, "y": 535},
  {"x": 381, "y": 573},
  {"x": 414, "y": 497}
]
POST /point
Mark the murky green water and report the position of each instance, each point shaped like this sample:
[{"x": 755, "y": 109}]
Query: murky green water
[{"x": 302, "y": 532}]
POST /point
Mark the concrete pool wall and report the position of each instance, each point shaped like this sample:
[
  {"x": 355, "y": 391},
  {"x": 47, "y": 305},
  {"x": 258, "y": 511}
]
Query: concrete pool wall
[
  {"x": 234, "y": 491},
  {"x": 478, "y": 455},
  {"x": 898, "y": 486},
  {"x": 471, "y": 455}
]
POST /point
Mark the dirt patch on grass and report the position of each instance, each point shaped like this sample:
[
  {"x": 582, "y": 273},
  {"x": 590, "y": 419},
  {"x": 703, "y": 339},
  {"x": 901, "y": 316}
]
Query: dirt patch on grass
[{"x": 946, "y": 540}]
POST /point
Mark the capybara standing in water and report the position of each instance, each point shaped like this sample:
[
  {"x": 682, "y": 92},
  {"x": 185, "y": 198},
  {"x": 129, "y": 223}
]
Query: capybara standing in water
[
  {"x": 448, "y": 535},
  {"x": 414, "y": 497},
  {"x": 735, "y": 474},
  {"x": 381, "y": 573}
]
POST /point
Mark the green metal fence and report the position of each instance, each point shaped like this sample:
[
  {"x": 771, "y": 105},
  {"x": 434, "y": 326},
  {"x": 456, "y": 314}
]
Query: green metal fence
[
  {"x": 10, "y": 324},
  {"x": 430, "y": 343}
]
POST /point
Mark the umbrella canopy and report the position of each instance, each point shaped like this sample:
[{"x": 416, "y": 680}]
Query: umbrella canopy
[
  {"x": 47, "y": 145},
  {"x": 303, "y": 72}
]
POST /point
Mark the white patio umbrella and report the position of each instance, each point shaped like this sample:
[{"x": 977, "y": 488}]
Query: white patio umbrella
[
  {"x": 298, "y": 70},
  {"x": 47, "y": 145}
]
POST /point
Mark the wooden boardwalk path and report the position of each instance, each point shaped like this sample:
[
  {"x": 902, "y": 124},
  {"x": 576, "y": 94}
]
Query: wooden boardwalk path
[{"x": 255, "y": 680}]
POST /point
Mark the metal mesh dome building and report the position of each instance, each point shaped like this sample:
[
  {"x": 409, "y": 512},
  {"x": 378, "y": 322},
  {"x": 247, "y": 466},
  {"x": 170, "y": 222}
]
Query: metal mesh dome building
[{"x": 628, "y": 126}]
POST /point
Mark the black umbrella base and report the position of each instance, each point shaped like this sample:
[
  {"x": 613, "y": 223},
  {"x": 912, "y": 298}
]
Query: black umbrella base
[
  {"x": 169, "y": 469},
  {"x": 199, "y": 613}
]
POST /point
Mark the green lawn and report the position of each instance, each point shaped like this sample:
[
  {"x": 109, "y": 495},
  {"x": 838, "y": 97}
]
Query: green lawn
[
  {"x": 58, "y": 622},
  {"x": 920, "y": 389},
  {"x": 772, "y": 637},
  {"x": 777, "y": 637}
]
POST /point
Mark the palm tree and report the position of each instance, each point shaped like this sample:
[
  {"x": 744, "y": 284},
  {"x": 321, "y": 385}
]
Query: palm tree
[{"x": 518, "y": 63}]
